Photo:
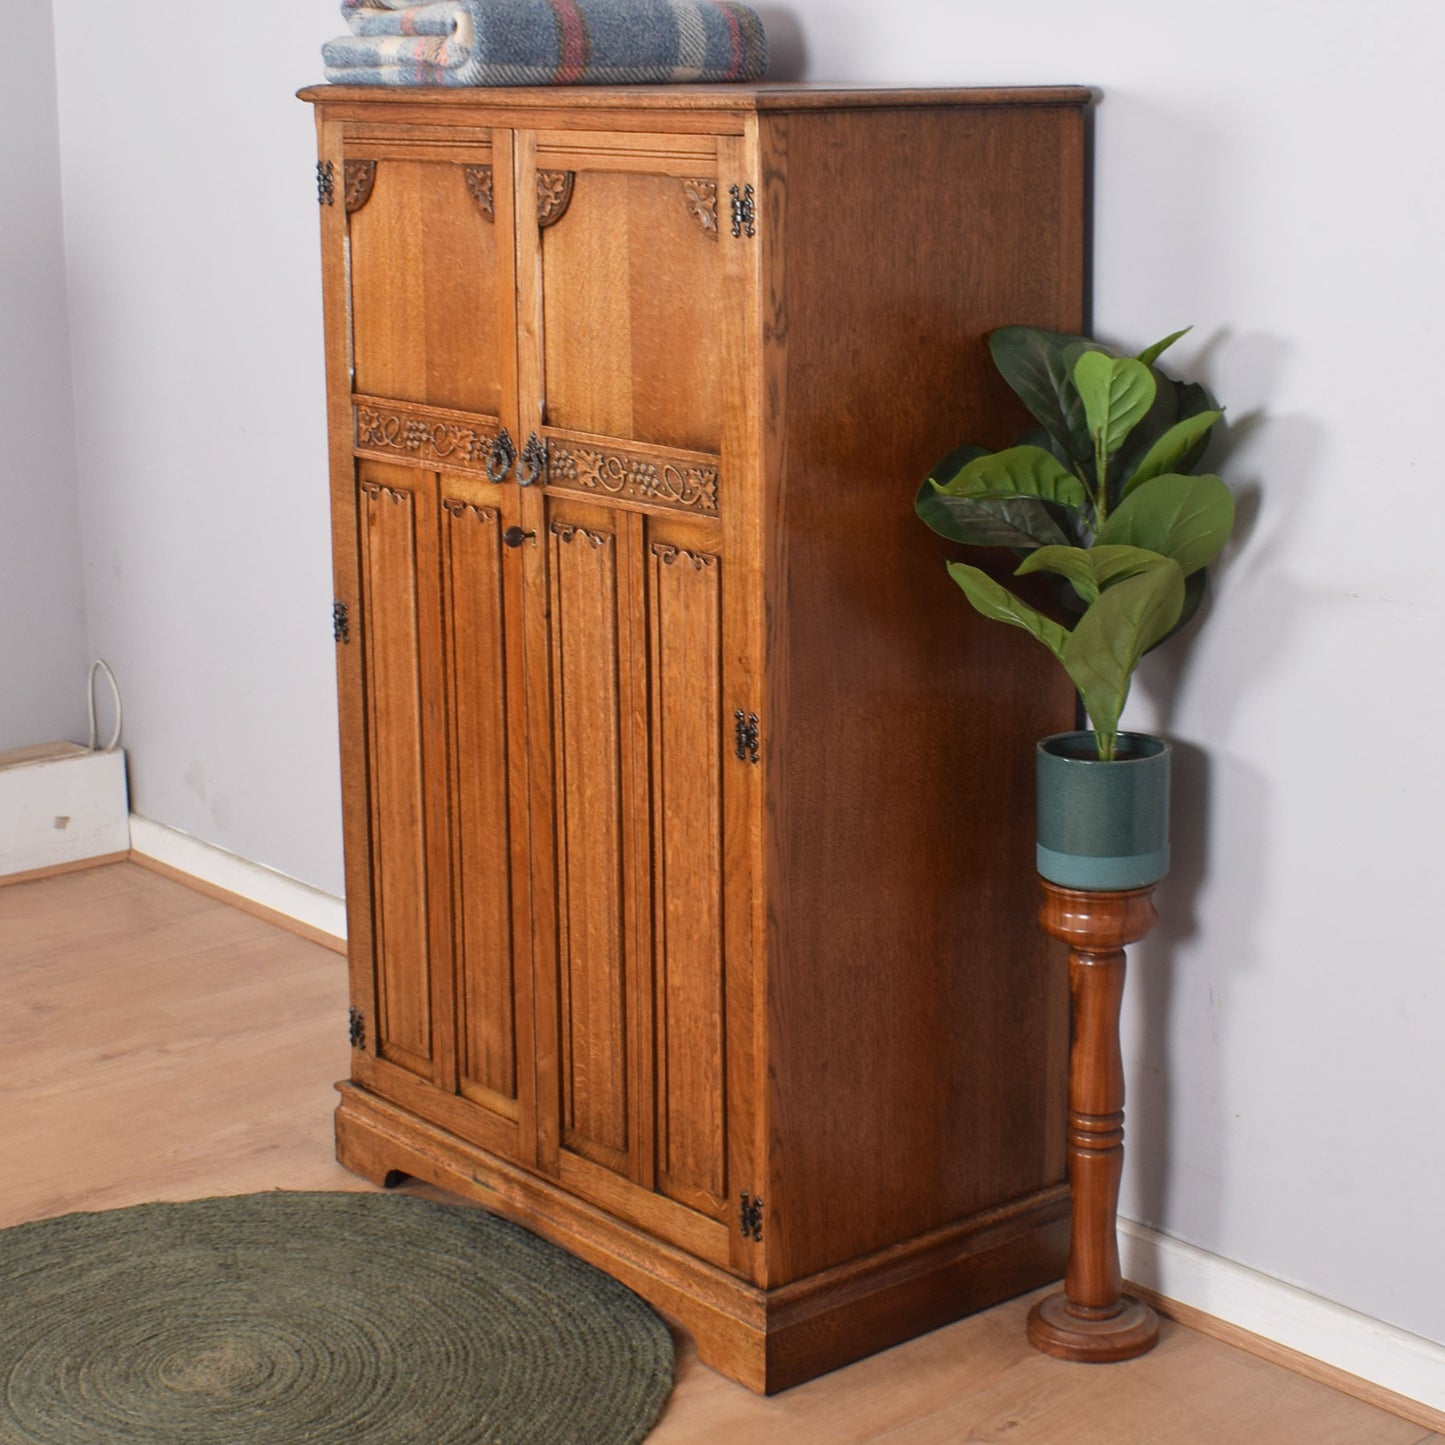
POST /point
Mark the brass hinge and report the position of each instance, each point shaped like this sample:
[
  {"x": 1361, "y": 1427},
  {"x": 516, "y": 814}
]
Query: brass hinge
[
  {"x": 750, "y": 1217},
  {"x": 325, "y": 183},
  {"x": 356, "y": 1028},
  {"x": 743, "y": 209},
  {"x": 746, "y": 741},
  {"x": 340, "y": 622}
]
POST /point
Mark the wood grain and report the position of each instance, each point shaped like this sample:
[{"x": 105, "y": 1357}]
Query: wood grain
[{"x": 922, "y": 1018}]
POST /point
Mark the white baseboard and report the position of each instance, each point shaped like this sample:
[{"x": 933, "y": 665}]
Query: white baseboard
[
  {"x": 262, "y": 886},
  {"x": 1394, "y": 1359}
]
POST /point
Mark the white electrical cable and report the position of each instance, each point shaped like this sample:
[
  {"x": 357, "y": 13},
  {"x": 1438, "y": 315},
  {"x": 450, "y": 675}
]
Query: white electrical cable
[{"x": 95, "y": 666}]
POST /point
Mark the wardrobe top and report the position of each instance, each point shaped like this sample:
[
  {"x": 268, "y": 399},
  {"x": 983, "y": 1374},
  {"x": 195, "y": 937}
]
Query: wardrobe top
[{"x": 744, "y": 98}]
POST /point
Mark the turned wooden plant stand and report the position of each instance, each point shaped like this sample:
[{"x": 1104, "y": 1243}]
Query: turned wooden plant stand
[{"x": 1091, "y": 1319}]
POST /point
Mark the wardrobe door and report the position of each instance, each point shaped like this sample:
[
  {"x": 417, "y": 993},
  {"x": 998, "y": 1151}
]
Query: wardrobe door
[
  {"x": 632, "y": 385},
  {"x": 431, "y": 265}
]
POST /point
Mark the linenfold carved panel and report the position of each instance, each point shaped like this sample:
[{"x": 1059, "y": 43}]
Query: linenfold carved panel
[
  {"x": 358, "y": 178},
  {"x": 670, "y": 482},
  {"x": 421, "y": 435}
]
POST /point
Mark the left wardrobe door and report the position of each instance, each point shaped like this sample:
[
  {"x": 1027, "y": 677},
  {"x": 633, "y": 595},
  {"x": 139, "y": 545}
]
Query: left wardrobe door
[{"x": 433, "y": 721}]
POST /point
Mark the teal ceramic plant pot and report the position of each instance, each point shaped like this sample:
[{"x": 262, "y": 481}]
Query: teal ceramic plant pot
[{"x": 1102, "y": 825}]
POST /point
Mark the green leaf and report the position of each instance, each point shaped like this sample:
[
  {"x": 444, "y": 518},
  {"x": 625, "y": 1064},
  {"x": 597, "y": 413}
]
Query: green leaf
[
  {"x": 1173, "y": 403},
  {"x": 1091, "y": 569},
  {"x": 1017, "y": 472},
  {"x": 948, "y": 469},
  {"x": 1039, "y": 366},
  {"x": 1151, "y": 354},
  {"x": 997, "y": 603},
  {"x": 1170, "y": 450},
  {"x": 1022, "y": 522},
  {"x": 1110, "y": 638},
  {"x": 1117, "y": 392},
  {"x": 1186, "y": 518}
]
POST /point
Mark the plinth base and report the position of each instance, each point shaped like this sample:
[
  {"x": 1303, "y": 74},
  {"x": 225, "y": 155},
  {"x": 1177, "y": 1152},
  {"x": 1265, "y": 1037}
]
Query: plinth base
[{"x": 1056, "y": 1330}]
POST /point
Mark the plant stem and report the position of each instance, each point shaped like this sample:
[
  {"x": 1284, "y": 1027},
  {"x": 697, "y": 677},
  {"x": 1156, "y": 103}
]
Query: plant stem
[
  {"x": 1101, "y": 477},
  {"x": 1108, "y": 745}
]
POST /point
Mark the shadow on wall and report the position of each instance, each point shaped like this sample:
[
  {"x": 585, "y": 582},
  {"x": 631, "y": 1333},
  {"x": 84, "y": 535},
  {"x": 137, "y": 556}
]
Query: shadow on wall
[
  {"x": 1183, "y": 1011},
  {"x": 787, "y": 50}
]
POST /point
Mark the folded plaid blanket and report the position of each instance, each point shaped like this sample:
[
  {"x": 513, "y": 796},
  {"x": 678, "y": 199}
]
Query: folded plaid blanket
[{"x": 545, "y": 42}]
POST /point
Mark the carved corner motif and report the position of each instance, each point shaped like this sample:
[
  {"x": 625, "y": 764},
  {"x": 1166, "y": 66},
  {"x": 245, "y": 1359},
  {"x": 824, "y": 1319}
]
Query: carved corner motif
[
  {"x": 669, "y": 483},
  {"x": 568, "y": 532},
  {"x": 669, "y": 556},
  {"x": 458, "y": 509},
  {"x": 375, "y": 492},
  {"x": 479, "y": 183},
  {"x": 701, "y": 197},
  {"x": 358, "y": 177},
  {"x": 554, "y": 195}
]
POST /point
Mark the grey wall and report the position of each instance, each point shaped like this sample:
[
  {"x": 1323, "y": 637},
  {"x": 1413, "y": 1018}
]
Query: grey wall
[
  {"x": 1267, "y": 172},
  {"x": 190, "y": 199},
  {"x": 42, "y": 623}
]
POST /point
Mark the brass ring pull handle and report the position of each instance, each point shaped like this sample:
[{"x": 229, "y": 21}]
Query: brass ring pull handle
[
  {"x": 534, "y": 458},
  {"x": 501, "y": 457},
  {"x": 515, "y": 536}
]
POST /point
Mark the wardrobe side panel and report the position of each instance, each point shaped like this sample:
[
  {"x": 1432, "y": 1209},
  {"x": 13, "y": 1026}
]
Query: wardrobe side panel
[{"x": 917, "y": 1021}]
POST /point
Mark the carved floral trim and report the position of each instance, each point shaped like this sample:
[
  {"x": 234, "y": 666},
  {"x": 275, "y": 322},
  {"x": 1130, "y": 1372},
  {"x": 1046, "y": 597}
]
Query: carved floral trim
[
  {"x": 479, "y": 184},
  {"x": 674, "y": 484},
  {"x": 702, "y": 204},
  {"x": 554, "y": 195},
  {"x": 423, "y": 437},
  {"x": 358, "y": 177}
]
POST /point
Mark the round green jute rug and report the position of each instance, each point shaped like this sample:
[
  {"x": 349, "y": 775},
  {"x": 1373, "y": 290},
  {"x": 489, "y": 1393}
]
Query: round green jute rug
[{"x": 308, "y": 1319}]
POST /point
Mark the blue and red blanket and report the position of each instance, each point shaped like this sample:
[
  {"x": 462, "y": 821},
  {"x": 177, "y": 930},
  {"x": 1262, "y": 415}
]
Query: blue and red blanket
[{"x": 545, "y": 42}]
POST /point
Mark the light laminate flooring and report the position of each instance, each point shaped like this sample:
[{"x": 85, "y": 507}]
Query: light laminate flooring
[{"x": 159, "y": 1044}]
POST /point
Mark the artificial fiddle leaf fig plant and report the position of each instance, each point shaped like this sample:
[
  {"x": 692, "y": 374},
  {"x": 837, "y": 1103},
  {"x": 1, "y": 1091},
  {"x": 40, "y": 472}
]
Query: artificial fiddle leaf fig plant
[{"x": 1102, "y": 496}]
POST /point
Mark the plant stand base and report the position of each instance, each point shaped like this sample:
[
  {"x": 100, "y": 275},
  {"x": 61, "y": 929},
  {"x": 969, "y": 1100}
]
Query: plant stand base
[
  {"x": 1092, "y": 1318},
  {"x": 1056, "y": 1330}
]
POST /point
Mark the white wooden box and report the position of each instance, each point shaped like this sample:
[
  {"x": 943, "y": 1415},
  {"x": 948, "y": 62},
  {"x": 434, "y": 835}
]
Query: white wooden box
[{"x": 61, "y": 803}]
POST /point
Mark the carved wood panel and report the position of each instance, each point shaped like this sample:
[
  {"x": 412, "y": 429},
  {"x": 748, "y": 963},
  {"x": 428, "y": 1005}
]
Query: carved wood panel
[
  {"x": 480, "y": 749},
  {"x": 689, "y": 484},
  {"x": 426, "y": 292},
  {"x": 635, "y": 314},
  {"x": 685, "y": 693},
  {"x": 391, "y": 576},
  {"x": 424, "y": 436},
  {"x": 588, "y": 760}
]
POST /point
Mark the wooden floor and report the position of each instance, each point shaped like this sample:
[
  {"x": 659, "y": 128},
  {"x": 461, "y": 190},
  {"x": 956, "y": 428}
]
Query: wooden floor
[{"x": 158, "y": 1044}]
